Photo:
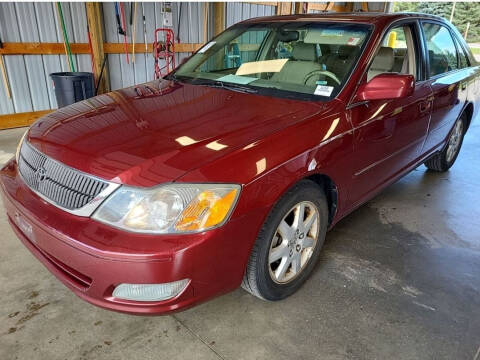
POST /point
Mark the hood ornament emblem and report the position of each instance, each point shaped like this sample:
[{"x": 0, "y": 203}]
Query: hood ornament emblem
[{"x": 41, "y": 174}]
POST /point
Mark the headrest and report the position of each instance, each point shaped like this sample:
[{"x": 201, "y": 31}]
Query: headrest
[
  {"x": 305, "y": 52},
  {"x": 384, "y": 60},
  {"x": 346, "y": 51}
]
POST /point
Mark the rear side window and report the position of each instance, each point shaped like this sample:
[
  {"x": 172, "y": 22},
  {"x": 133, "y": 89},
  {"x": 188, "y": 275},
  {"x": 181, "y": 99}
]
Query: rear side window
[{"x": 442, "y": 53}]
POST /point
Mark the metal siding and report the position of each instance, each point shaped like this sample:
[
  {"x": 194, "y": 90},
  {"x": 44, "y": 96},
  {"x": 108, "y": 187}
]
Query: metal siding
[
  {"x": 190, "y": 31},
  {"x": 30, "y": 83},
  {"x": 237, "y": 11},
  {"x": 15, "y": 64},
  {"x": 47, "y": 32},
  {"x": 29, "y": 78}
]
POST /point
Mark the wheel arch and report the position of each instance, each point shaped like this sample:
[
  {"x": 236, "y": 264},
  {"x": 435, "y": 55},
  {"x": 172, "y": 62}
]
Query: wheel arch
[
  {"x": 468, "y": 110},
  {"x": 331, "y": 191}
]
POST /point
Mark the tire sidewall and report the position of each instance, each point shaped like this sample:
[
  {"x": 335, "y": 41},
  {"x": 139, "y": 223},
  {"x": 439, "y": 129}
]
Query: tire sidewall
[{"x": 304, "y": 191}]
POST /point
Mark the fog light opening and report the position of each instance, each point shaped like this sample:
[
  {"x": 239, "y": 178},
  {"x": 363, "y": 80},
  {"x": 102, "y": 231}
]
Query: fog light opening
[{"x": 150, "y": 292}]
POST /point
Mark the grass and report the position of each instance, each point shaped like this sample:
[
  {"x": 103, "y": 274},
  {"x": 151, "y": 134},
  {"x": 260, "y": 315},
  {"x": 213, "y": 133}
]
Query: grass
[{"x": 476, "y": 51}]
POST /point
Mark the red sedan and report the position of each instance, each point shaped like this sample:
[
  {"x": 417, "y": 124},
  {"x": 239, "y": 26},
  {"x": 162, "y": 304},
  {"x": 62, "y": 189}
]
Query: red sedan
[{"x": 231, "y": 170}]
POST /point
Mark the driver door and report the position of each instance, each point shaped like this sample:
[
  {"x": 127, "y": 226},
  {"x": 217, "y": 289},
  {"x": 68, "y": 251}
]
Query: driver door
[{"x": 389, "y": 134}]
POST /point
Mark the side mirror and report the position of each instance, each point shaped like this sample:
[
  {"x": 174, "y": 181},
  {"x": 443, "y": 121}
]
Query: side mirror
[{"x": 387, "y": 86}]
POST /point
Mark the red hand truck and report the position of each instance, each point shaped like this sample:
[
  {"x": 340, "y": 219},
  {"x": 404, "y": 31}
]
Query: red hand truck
[{"x": 164, "y": 51}]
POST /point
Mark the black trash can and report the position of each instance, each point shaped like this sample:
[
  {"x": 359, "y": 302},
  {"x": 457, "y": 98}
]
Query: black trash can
[{"x": 71, "y": 87}]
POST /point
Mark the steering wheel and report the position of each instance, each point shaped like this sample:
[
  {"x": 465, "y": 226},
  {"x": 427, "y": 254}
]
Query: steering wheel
[{"x": 321, "y": 72}]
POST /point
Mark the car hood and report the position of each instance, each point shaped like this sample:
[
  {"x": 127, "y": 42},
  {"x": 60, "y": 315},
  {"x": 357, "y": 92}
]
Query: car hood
[{"x": 156, "y": 132}]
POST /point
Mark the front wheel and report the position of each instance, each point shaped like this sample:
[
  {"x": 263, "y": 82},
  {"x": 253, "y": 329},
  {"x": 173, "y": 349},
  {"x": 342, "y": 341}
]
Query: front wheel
[
  {"x": 288, "y": 244},
  {"x": 446, "y": 158}
]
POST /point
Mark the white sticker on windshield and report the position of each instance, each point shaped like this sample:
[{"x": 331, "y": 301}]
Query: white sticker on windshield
[
  {"x": 322, "y": 90},
  {"x": 206, "y": 47}
]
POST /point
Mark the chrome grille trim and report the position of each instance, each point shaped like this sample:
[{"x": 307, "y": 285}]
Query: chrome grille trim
[{"x": 68, "y": 189}]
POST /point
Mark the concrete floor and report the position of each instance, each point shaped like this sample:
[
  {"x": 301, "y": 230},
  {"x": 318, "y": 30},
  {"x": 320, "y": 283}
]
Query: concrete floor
[{"x": 398, "y": 279}]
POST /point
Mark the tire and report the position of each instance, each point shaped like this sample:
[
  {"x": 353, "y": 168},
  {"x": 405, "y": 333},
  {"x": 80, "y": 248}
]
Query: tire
[
  {"x": 260, "y": 277},
  {"x": 444, "y": 160}
]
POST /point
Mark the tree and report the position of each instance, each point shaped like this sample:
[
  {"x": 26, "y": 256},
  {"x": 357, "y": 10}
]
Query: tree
[
  {"x": 464, "y": 12},
  {"x": 405, "y": 7}
]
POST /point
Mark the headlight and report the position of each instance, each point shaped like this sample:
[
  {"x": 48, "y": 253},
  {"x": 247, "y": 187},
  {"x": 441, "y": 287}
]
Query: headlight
[
  {"x": 172, "y": 208},
  {"x": 19, "y": 146}
]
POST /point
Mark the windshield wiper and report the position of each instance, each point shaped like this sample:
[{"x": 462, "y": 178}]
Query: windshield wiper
[{"x": 227, "y": 86}]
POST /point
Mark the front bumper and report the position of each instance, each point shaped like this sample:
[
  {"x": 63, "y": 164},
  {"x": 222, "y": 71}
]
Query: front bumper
[{"x": 91, "y": 258}]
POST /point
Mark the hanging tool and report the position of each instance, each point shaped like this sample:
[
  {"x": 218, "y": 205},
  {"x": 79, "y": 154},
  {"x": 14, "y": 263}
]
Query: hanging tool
[
  {"x": 134, "y": 33},
  {"x": 164, "y": 51},
  {"x": 179, "y": 20},
  {"x": 119, "y": 24},
  {"x": 4, "y": 74},
  {"x": 131, "y": 14},
  {"x": 125, "y": 42},
  {"x": 66, "y": 43},
  {"x": 144, "y": 28},
  {"x": 101, "y": 74}
]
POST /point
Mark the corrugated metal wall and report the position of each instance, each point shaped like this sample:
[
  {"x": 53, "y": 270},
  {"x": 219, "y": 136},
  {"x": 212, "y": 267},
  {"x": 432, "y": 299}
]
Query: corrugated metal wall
[
  {"x": 191, "y": 31},
  {"x": 237, "y": 11},
  {"x": 28, "y": 74},
  {"x": 30, "y": 83}
]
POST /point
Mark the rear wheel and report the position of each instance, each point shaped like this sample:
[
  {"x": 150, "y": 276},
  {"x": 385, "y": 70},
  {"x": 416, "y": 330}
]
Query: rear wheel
[
  {"x": 446, "y": 158},
  {"x": 288, "y": 244}
]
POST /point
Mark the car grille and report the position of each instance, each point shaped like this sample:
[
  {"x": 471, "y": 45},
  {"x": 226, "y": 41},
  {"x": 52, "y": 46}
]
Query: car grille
[{"x": 65, "y": 187}]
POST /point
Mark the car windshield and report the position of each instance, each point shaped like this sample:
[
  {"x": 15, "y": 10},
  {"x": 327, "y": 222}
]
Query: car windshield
[{"x": 303, "y": 60}]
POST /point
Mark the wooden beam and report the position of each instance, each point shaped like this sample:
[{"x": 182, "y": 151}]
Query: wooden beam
[
  {"x": 284, "y": 8},
  {"x": 219, "y": 17},
  {"x": 81, "y": 48},
  {"x": 340, "y": 8},
  {"x": 118, "y": 48},
  {"x": 329, "y": 6},
  {"x": 11, "y": 121},
  {"x": 317, "y": 6},
  {"x": 265, "y": 3},
  {"x": 94, "y": 18},
  {"x": 41, "y": 48}
]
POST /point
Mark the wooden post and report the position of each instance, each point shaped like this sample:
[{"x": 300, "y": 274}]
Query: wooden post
[
  {"x": 205, "y": 22},
  {"x": 466, "y": 31},
  {"x": 299, "y": 7},
  {"x": 219, "y": 20},
  {"x": 365, "y": 6},
  {"x": 453, "y": 11},
  {"x": 284, "y": 8},
  {"x": 94, "y": 19}
]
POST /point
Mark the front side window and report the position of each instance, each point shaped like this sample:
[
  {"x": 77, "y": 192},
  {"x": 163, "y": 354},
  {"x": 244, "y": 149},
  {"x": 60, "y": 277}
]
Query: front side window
[
  {"x": 299, "y": 60},
  {"x": 442, "y": 53},
  {"x": 396, "y": 54}
]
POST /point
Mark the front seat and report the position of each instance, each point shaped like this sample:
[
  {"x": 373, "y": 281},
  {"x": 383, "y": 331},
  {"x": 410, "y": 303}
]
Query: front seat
[
  {"x": 302, "y": 62},
  {"x": 382, "y": 63}
]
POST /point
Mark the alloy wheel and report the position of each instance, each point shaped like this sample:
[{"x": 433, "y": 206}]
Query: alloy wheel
[
  {"x": 455, "y": 140},
  {"x": 294, "y": 242}
]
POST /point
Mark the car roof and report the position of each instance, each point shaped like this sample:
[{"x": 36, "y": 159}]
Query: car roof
[{"x": 363, "y": 17}]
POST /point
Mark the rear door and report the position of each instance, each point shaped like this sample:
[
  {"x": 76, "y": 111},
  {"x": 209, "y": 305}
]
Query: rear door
[{"x": 448, "y": 75}]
